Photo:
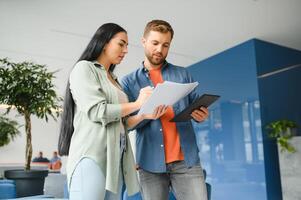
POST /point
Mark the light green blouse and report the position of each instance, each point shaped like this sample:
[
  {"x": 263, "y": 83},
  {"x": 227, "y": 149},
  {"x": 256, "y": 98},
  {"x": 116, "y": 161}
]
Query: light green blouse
[{"x": 97, "y": 126}]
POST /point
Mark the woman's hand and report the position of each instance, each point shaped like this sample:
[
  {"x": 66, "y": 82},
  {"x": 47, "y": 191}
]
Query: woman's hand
[
  {"x": 144, "y": 95},
  {"x": 158, "y": 112},
  {"x": 136, "y": 119}
]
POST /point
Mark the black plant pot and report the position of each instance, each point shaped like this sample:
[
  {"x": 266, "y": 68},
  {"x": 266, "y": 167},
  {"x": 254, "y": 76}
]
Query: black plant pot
[{"x": 28, "y": 183}]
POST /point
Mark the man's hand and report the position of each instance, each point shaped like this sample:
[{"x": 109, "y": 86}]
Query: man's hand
[
  {"x": 200, "y": 114},
  {"x": 158, "y": 112}
]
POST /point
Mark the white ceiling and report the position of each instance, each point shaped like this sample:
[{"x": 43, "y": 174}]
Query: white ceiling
[{"x": 56, "y": 32}]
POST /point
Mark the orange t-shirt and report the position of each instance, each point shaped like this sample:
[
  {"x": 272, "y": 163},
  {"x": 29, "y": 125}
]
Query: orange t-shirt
[{"x": 171, "y": 136}]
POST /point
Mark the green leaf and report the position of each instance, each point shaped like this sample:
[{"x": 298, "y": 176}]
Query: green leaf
[
  {"x": 281, "y": 130},
  {"x": 8, "y": 130}
]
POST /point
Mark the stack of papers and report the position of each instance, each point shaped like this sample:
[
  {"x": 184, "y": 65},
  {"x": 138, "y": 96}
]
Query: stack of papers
[{"x": 166, "y": 93}]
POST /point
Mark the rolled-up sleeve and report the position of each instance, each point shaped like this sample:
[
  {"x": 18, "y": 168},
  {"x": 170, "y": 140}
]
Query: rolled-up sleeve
[
  {"x": 89, "y": 96},
  {"x": 126, "y": 87}
]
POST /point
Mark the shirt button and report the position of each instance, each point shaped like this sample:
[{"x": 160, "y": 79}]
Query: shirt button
[{"x": 161, "y": 145}]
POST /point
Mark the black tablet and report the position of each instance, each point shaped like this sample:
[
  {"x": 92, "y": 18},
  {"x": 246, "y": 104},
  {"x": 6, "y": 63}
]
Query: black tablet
[{"x": 205, "y": 100}]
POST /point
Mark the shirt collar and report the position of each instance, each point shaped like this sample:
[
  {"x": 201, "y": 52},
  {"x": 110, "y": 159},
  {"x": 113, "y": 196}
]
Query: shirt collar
[{"x": 97, "y": 64}]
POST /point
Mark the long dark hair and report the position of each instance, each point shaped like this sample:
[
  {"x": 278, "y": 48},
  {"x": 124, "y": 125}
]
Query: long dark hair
[{"x": 101, "y": 37}]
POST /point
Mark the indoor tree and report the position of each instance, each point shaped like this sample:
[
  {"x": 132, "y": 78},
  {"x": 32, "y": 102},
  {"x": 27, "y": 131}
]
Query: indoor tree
[{"x": 28, "y": 88}]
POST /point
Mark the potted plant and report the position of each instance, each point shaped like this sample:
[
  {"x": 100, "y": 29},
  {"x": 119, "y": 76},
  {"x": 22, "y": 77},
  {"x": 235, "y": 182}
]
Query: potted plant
[
  {"x": 282, "y": 131},
  {"x": 289, "y": 144},
  {"x": 27, "y": 87},
  {"x": 8, "y": 130}
]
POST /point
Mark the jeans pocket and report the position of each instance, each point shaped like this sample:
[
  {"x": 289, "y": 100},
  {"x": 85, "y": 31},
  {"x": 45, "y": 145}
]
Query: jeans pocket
[
  {"x": 179, "y": 167},
  {"x": 196, "y": 171},
  {"x": 145, "y": 175}
]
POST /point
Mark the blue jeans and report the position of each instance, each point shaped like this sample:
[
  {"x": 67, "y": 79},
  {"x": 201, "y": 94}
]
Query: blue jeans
[
  {"x": 88, "y": 183},
  {"x": 88, "y": 180},
  {"x": 186, "y": 183}
]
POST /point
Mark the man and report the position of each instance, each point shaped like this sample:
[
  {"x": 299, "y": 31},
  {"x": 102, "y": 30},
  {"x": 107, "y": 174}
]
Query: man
[
  {"x": 55, "y": 162},
  {"x": 40, "y": 158},
  {"x": 166, "y": 152},
  {"x": 55, "y": 157}
]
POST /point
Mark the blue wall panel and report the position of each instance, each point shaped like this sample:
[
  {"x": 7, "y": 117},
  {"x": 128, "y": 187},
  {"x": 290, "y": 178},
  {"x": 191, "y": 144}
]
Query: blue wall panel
[
  {"x": 271, "y": 57},
  {"x": 230, "y": 141},
  {"x": 279, "y": 81},
  {"x": 242, "y": 163}
]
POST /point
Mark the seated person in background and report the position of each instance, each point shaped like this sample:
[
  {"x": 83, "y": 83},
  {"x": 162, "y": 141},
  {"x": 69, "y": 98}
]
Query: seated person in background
[
  {"x": 55, "y": 162},
  {"x": 55, "y": 157},
  {"x": 40, "y": 158}
]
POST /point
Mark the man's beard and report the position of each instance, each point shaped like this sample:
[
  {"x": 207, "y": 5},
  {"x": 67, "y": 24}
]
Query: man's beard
[{"x": 154, "y": 61}]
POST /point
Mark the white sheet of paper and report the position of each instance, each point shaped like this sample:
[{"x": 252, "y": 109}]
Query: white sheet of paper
[{"x": 166, "y": 93}]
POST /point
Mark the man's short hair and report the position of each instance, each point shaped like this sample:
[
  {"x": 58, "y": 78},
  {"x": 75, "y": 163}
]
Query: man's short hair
[{"x": 159, "y": 26}]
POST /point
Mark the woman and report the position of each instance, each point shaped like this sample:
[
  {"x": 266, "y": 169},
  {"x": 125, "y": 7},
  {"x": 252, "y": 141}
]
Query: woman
[{"x": 93, "y": 122}]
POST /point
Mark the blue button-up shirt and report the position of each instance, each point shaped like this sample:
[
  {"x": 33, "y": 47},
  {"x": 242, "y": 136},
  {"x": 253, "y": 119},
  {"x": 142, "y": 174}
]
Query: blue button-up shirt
[{"x": 149, "y": 139}]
